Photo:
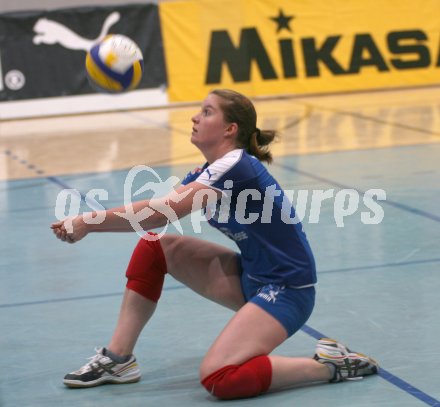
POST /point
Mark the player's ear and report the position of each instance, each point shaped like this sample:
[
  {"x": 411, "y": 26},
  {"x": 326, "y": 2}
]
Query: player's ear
[{"x": 231, "y": 129}]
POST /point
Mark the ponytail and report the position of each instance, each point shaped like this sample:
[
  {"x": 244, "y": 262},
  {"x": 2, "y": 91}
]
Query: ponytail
[{"x": 258, "y": 144}]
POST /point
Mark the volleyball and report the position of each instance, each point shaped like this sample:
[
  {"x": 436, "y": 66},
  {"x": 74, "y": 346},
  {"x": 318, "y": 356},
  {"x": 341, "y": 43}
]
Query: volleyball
[{"x": 114, "y": 64}]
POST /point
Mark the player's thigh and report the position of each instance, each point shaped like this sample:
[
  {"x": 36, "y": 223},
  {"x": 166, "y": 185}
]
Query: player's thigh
[
  {"x": 272, "y": 314},
  {"x": 209, "y": 269},
  {"x": 251, "y": 332}
]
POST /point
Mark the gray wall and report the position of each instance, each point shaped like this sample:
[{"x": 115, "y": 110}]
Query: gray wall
[{"x": 19, "y": 5}]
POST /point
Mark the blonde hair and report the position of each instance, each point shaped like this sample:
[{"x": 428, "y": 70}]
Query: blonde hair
[{"x": 238, "y": 109}]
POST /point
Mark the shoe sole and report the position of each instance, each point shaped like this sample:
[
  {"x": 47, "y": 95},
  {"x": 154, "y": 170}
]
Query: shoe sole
[{"x": 108, "y": 380}]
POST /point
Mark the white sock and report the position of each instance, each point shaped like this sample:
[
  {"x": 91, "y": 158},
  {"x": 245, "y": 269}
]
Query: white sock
[{"x": 332, "y": 369}]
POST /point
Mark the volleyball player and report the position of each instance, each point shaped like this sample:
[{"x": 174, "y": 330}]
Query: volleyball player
[{"x": 269, "y": 283}]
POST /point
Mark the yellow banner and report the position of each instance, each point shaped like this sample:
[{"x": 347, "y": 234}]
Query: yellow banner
[{"x": 270, "y": 47}]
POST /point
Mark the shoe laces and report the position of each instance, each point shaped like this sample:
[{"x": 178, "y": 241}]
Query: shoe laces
[{"x": 93, "y": 361}]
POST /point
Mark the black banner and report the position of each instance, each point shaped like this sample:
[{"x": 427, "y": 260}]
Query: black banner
[{"x": 42, "y": 53}]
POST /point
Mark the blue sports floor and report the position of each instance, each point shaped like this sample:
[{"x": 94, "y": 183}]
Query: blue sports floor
[{"x": 378, "y": 288}]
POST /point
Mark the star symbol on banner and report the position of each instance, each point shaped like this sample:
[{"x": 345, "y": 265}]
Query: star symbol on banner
[{"x": 282, "y": 21}]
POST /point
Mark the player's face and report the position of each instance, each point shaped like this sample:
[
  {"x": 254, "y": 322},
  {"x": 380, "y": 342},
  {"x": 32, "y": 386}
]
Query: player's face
[{"x": 209, "y": 125}]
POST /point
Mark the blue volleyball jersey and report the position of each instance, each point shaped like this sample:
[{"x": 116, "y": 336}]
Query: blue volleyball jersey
[{"x": 256, "y": 214}]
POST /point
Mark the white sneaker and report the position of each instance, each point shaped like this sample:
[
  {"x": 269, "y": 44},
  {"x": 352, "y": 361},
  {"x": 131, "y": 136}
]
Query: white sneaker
[
  {"x": 349, "y": 365},
  {"x": 102, "y": 369}
]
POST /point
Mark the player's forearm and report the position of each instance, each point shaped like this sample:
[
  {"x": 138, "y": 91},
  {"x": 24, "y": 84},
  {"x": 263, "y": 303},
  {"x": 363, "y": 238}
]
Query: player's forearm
[
  {"x": 125, "y": 218},
  {"x": 110, "y": 222}
]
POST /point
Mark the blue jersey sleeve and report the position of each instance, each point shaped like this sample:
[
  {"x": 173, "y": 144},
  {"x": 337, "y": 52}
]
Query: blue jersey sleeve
[{"x": 193, "y": 175}]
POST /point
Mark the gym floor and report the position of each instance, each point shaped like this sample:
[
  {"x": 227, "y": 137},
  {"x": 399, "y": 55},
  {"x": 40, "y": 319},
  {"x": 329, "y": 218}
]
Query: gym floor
[{"x": 378, "y": 283}]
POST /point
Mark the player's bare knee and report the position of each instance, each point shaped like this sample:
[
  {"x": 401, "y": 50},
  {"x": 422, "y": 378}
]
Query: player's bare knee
[{"x": 169, "y": 245}]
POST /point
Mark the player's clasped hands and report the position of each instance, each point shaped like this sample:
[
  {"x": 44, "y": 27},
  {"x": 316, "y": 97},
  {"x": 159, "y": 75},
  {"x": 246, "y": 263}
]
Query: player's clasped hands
[{"x": 70, "y": 230}]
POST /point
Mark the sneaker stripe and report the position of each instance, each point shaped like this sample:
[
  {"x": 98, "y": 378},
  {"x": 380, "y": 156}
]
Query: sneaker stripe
[{"x": 131, "y": 366}]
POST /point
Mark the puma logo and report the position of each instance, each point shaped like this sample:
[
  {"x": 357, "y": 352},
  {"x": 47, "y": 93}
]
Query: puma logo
[{"x": 51, "y": 32}]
